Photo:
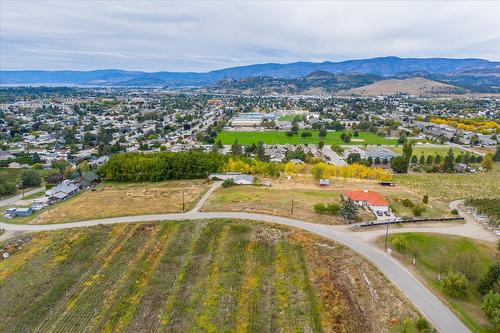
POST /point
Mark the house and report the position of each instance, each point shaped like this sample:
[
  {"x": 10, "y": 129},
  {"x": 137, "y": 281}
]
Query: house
[
  {"x": 237, "y": 177},
  {"x": 223, "y": 176},
  {"x": 24, "y": 211},
  {"x": 10, "y": 213},
  {"x": 381, "y": 153},
  {"x": 13, "y": 212},
  {"x": 373, "y": 200},
  {"x": 89, "y": 179},
  {"x": 62, "y": 191},
  {"x": 324, "y": 182},
  {"x": 14, "y": 165},
  {"x": 243, "y": 179},
  {"x": 4, "y": 156}
]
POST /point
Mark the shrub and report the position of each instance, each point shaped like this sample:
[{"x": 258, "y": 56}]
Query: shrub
[
  {"x": 328, "y": 209},
  {"x": 491, "y": 308},
  {"x": 455, "y": 284},
  {"x": 422, "y": 324},
  {"x": 407, "y": 203},
  {"x": 418, "y": 210},
  {"x": 399, "y": 164},
  {"x": 400, "y": 243},
  {"x": 454, "y": 211},
  {"x": 228, "y": 183},
  {"x": 490, "y": 279}
]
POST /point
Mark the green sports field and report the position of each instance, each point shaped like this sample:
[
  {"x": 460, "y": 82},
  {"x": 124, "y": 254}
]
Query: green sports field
[
  {"x": 279, "y": 137},
  {"x": 430, "y": 150}
]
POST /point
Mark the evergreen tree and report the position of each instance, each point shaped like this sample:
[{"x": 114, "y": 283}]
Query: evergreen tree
[
  {"x": 449, "y": 161},
  {"x": 422, "y": 160},
  {"x": 218, "y": 146},
  {"x": 437, "y": 159},
  {"x": 429, "y": 160},
  {"x": 399, "y": 164},
  {"x": 407, "y": 150},
  {"x": 236, "y": 148},
  {"x": 349, "y": 210},
  {"x": 496, "y": 157}
]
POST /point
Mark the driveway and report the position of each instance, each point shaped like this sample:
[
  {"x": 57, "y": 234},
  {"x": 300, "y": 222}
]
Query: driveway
[{"x": 12, "y": 200}]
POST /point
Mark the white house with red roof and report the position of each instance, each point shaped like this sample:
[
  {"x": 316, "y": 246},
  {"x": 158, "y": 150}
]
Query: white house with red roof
[{"x": 374, "y": 200}]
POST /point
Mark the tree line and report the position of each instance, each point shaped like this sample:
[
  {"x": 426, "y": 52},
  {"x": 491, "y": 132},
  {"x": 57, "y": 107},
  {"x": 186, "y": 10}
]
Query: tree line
[{"x": 162, "y": 166}]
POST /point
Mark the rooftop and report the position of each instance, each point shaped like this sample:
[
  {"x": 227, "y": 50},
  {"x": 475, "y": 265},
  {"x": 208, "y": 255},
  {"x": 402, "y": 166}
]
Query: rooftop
[{"x": 373, "y": 198}]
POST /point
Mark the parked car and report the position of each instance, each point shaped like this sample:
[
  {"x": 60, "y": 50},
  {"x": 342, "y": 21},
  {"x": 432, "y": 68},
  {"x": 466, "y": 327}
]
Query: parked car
[
  {"x": 379, "y": 213},
  {"x": 387, "y": 213}
]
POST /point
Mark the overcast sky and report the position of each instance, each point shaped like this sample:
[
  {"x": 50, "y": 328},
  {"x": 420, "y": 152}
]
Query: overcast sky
[{"x": 201, "y": 36}]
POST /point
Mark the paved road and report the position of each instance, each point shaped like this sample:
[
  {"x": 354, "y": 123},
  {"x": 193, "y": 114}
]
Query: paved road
[
  {"x": 429, "y": 305},
  {"x": 334, "y": 157},
  {"x": 12, "y": 200}
]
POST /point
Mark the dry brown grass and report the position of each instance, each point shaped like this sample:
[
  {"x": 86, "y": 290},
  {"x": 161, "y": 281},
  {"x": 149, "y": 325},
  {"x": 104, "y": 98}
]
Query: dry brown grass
[
  {"x": 113, "y": 199},
  {"x": 276, "y": 200},
  {"x": 413, "y": 86}
]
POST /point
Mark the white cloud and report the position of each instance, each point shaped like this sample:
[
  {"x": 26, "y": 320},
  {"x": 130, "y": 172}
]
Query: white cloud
[{"x": 199, "y": 36}]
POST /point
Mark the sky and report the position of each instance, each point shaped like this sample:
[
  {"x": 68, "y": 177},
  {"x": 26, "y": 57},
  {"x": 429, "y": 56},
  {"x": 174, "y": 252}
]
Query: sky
[{"x": 159, "y": 35}]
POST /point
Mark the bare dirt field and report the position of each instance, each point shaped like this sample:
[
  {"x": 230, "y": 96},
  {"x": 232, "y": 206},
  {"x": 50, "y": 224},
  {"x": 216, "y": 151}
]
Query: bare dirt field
[
  {"x": 121, "y": 199},
  {"x": 277, "y": 199}
]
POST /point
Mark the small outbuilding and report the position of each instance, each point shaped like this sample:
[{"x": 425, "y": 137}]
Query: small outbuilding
[{"x": 324, "y": 182}]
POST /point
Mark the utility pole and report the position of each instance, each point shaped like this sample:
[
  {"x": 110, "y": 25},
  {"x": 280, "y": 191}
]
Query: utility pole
[
  {"x": 291, "y": 213},
  {"x": 386, "y": 234}
]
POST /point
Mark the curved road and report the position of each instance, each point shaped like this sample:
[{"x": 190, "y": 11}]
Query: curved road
[{"x": 428, "y": 304}]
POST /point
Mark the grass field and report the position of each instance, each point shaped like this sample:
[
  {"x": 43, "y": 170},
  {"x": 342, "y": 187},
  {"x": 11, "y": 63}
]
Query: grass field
[
  {"x": 429, "y": 150},
  {"x": 120, "y": 199},
  {"x": 210, "y": 276},
  {"x": 276, "y": 200},
  {"x": 287, "y": 117},
  {"x": 447, "y": 187},
  {"x": 279, "y": 137},
  {"x": 441, "y": 252}
]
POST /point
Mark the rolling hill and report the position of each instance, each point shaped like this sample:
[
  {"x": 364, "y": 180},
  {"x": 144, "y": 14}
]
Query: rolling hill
[
  {"x": 413, "y": 86},
  {"x": 476, "y": 73}
]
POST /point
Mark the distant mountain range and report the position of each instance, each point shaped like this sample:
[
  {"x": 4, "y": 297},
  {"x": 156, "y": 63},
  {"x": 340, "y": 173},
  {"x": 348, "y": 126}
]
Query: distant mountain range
[{"x": 472, "y": 74}]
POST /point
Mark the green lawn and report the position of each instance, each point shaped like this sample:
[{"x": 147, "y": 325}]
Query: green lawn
[
  {"x": 429, "y": 150},
  {"x": 440, "y": 253},
  {"x": 288, "y": 117},
  {"x": 279, "y": 137}
]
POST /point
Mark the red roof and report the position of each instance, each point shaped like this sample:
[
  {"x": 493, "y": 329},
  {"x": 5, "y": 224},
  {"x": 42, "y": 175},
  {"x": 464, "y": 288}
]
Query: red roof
[{"x": 373, "y": 198}]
